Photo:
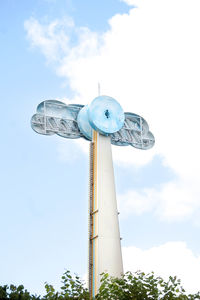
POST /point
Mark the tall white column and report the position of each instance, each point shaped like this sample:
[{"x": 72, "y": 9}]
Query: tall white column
[{"x": 104, "y": 246}]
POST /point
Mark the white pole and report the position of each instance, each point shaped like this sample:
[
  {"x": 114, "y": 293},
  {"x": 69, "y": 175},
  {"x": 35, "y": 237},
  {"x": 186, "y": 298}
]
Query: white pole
[{"x": 104, "y": 246}]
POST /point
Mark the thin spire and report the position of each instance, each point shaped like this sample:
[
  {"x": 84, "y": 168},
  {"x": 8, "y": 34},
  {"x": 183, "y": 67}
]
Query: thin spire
[{"x": 99, "y": 89}]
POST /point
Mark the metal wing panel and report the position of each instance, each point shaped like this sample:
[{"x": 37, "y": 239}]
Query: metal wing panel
[
  {"x": 55, "y": 117},
  {"x": 135, "y": 132}
]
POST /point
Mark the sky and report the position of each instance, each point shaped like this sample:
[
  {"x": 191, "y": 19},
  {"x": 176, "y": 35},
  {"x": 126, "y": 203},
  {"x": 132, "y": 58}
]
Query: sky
[{"x": 145, "y": 54}]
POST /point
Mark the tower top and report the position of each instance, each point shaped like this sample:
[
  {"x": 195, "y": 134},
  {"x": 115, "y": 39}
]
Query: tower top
[{"x": 104, "y": 114}]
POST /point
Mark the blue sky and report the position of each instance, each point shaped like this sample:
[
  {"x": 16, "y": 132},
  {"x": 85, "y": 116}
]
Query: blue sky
[{"x": 151, "y": 66}]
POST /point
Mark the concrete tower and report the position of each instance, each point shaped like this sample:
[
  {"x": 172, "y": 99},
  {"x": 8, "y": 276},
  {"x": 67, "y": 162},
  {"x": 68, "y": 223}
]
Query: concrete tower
[{"x": 104, "y": 237}]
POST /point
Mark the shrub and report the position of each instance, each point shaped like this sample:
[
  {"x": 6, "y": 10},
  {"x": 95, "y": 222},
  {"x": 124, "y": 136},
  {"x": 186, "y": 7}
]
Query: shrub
[{"x": 136, "y": 286}]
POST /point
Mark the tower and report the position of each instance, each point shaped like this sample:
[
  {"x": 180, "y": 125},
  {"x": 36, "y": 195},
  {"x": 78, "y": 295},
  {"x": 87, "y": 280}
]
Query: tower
[{"x": 103, "y": 123}]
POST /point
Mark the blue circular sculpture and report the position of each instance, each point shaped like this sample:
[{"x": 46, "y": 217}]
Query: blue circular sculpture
[
  {"x": 83, "y": 123},
  {"x": 105, "y": 115}
]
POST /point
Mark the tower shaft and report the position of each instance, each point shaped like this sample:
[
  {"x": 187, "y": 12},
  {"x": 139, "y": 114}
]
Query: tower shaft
[{"x": 104, "y": 236}]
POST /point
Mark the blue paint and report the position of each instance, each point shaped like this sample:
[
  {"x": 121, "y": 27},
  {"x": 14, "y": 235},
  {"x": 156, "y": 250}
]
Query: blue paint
[
  {"x": 105, "y": 115},
  {"x": 84, "y": 124}
]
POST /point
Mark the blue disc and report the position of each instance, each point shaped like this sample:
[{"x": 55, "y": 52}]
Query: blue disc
[
  {"x": 83, "y": 123},
  {"x": 105, "y": 115}
]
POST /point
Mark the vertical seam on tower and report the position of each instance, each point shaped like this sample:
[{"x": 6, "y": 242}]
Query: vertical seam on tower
[
  {"x": 95, "y": 216},
  {"x": 93, "y": 211},
  {"x": 91, "y": 196}
]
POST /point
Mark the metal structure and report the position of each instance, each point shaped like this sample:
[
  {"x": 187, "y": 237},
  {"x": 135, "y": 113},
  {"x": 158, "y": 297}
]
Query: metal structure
[{"x": 103, "y": 123}]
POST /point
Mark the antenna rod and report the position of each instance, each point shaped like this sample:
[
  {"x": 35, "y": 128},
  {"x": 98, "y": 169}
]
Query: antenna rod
[{"x": 99, "y": 89}]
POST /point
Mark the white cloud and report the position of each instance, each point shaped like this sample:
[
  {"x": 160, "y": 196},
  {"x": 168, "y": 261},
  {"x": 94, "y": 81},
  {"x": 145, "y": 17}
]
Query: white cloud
[
  {"x": 56, "y": 39},
  {"x": 149, "y": 61},
  {"x": 172, "y": 201},
  {"x": 169, "y": 259},
  {"x": 53, "y": 38},
  {"x": 130, "y": 2}
]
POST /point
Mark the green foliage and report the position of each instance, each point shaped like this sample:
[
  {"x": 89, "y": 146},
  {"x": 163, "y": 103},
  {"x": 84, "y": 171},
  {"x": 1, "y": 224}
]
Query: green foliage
[
  {"x": 16, "y": 293},
  {"x": 72, "y": 288},
  {"x": 136, "y": 286},
  {"x": 141, "y": 286}
]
